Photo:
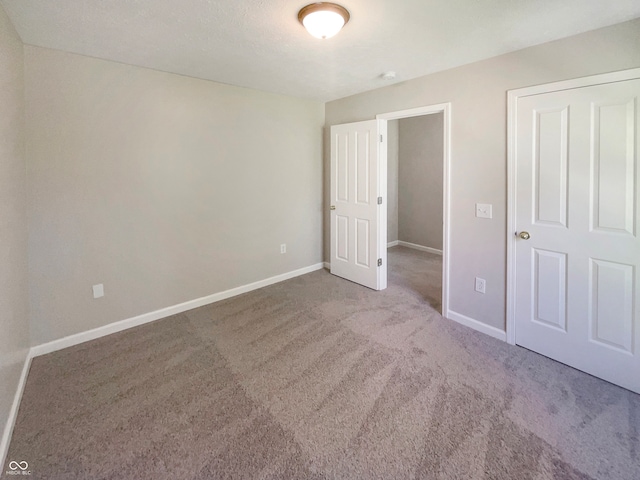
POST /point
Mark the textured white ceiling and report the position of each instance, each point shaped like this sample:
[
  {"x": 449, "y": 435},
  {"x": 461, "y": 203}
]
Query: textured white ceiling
[{"x": 260, "y": 44}]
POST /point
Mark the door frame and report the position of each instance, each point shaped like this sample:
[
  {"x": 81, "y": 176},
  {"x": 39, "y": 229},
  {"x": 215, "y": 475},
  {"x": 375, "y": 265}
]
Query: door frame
[
  {"x": 512, "y": 104},
  {"x": 445, "y": 109}
]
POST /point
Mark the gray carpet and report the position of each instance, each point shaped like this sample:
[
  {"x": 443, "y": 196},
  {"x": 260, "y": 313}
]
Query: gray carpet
[{"x": 319, "y": 378}]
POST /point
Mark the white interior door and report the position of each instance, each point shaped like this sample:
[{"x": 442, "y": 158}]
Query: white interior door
[
  {"x": 577, "y": 289},
  {"x": 358, "y": 218}
]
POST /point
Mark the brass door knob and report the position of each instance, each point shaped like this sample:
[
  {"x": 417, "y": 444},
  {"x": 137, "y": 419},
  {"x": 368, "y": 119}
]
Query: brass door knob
[
  {"x": 524, "y": 235},
  {"x": 332, "y": 207}
]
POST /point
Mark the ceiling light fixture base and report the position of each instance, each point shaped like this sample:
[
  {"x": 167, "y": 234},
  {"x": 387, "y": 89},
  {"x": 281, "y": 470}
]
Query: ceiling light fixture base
[{"x": 323, "y": 19}]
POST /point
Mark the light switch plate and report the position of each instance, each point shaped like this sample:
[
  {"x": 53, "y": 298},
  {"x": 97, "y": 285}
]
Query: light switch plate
[
  {"x": 484, "y": 210},
  {"x": 98, "y": 291}
]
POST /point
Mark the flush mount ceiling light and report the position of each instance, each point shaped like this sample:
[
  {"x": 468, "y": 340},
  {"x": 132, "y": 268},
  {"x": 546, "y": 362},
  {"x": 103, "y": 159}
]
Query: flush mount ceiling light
[{"x": 323, "y": 20}]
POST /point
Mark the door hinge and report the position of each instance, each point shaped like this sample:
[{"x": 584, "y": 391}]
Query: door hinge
[
  {"x": 379, "y": 262},
  {"x": 380, "y": 138},
  {"x": 379, "y": 200}
]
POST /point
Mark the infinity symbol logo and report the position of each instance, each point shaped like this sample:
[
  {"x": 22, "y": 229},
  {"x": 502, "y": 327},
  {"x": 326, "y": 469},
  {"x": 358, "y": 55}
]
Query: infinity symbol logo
[{"x": 13, "y": 465}]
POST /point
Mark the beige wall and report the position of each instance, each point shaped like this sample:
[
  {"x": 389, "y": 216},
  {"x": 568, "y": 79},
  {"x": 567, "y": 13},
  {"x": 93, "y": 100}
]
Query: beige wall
[
  {"x": 14, "y": 327},
  {"x": 420, "y": 180},
  {"x": 162, "y": 187},
  {"x": 477, "y": 93},
  {"x": 392, "y": 180}
]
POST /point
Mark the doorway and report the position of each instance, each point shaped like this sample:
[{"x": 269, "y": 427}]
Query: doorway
[{"x": 418, "y": 156}]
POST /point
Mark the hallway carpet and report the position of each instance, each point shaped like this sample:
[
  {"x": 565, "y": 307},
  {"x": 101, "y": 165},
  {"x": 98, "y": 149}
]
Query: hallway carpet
[{"x": 319, "y": 378}]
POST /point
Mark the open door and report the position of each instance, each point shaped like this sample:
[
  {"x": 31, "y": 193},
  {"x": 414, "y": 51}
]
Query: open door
[{"x": 358, "y": 203}]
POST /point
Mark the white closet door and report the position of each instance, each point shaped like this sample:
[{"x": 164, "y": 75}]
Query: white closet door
[{"x": 577, "y": 216}]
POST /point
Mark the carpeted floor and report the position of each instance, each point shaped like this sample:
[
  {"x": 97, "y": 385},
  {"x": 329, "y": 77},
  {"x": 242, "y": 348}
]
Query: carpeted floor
[{"x": 319, "y": 378}]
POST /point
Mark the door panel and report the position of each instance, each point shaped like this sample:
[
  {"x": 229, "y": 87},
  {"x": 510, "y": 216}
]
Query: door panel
[
  {"x": 342, "y": 238},
  {"x": 358, "y": 223},
  {"x": 550, "y": 295},
  {"x": 577, "y": 277},
  {"x": 613, "y": 167},
  {"x": 363, "y": 230},
  {"x": 551, "y": 167},
  {"x": 611, "y": 314},
  {"x": 363, "y": 167}
]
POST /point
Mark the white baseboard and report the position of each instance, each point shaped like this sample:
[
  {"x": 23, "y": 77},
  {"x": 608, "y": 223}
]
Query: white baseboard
[
  {"x": 163, "y": 312},
  {"x": 13, "y": 413},
  {"x": 422, "y": 248},
  {"x": 477, "y": 325},
  {"x": 395, "y": 243}
]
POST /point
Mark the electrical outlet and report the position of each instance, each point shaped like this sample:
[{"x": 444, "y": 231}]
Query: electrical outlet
[
  {"x": 283, "y": 248},
  {"x": 481, "y": 285},
  {"x": 98, "y": 291}
]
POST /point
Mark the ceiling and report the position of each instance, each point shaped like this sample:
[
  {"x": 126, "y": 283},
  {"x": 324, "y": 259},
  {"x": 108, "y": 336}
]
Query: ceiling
[{"x": 260, "y": 44}]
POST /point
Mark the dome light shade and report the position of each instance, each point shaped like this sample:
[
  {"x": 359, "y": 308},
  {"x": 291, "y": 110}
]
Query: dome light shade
[{"x": 323, "y": 20}]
